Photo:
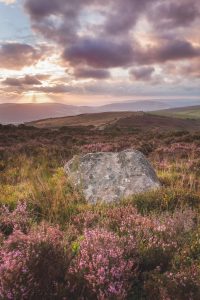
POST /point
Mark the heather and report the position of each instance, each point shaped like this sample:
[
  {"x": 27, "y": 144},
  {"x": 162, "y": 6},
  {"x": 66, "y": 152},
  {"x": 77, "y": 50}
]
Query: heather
[{"x": 54, "y": 245}]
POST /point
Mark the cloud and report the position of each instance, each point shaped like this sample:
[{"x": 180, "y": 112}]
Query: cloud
[
  {"x": 57, "y": 89},
  {"x": 177, "y": 49},
  {"x": 119, "y": 17},
  {"x": 56, "y": 20},
  {"x": 124, "y": 15},
  {"x": 188, "y": 70},
  {"x": 112, "y": 44},
  {"x": 18, "y": 82},
  {"x": 11, "y": 82},
  {"x": 91, "y": 73},
  {"x": 99, "y": 53},
  {"x": 84, "y": 41},
  {"x": 39, "y": 9},
  {"x": 142, "y": 73},
  {"x": 31, "y": 80},
  {"x": 168, "y": 50},
  {"x": 15, "y": 56},
  {"x": 92, "y": 37},
  {"x": 7, "y": 2},
  {"x": 173, "y": 14}
]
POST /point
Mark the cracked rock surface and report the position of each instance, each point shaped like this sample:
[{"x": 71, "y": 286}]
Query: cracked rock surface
[{"x": 110, "y": 176}]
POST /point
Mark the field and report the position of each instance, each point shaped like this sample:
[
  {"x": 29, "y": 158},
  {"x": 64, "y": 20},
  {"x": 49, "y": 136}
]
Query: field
[
  {"x": 129, "y": 120},
  {"x": 96, "y": 120},
  {"x": 54, "y": 245},
  {"x": 189, "y": 112}
]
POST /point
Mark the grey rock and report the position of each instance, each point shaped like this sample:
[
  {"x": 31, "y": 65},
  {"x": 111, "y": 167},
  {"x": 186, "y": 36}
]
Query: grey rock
[{"x": 110, "y": 176}]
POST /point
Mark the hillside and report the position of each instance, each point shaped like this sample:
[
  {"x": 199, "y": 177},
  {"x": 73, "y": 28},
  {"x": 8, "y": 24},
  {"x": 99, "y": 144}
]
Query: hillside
[
  {"x": 132, "y": 120},
  {"x": 15, "y": 113},
  {"x": 189, "y": 112},
  {"x": 46, "y": 223},
  {"x": 144, "y": 105},
  {"x": 95, "y": 119}
]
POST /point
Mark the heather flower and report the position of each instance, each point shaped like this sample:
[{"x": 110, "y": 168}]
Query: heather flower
[
  {"x": 85, "y": 220},
  {"x": 181, "y": 284},
  {"x": 33, "y": 265},
  {"x": 18, "y": 219},
  {"x": 101, "y": 265}
]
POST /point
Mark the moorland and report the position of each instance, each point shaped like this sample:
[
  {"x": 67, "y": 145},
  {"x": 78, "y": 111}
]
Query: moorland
[
  {"x": 54, "y": 245},
  {"x": 189, "y": 112}
]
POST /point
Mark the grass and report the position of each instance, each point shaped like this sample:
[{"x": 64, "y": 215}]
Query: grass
[
  {"x": 192, "y": 112},
  {"x": 31, "y": 171},
  {"x": 34, "y": 171}
]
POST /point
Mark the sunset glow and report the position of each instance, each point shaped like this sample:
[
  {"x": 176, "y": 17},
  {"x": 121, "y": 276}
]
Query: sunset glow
[{"x": 95, "y": 52}]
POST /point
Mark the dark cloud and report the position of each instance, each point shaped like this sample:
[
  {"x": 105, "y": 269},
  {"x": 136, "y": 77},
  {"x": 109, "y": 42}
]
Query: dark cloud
[
  {"x": 16, "y": 56},
  {"x": 119, "y": 16},
  {"x": 172, "y": 14},
  {"x": 11, "y": 82},
  {"x": 56, "y": 89},
  {"x": 168, "y": 50},
  {"x": 39, "y": 9},
  {"x": 57, "y": 20},
  {"x": 99, "y": 53},
  {"x": 91, "y": 73},
  {"x": 111, "y": 44},
  {"x": 61, "y": 21},
  {"x": 31, "y": 80},
  {"x": 177, "y": 49},
  {"x": 142, "y": 73},
  {"x": 18, "y": 82},
  {"x": 124, "y": 15}
]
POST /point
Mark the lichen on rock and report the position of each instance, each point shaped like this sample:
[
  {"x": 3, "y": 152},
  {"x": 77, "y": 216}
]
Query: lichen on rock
[{"x": 110, "y": 176}]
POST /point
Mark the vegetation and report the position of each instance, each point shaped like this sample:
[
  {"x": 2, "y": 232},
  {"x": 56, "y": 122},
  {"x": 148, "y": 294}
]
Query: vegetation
[
  {"x": 53, "y": 245},
  {"x": 189, "y": 112}
]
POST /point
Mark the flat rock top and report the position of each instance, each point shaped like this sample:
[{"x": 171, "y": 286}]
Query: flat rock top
[{"x": 109, "y": 176}]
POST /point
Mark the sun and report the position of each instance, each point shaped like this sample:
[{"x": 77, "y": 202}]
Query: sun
[{"x": 34, "y": 97}]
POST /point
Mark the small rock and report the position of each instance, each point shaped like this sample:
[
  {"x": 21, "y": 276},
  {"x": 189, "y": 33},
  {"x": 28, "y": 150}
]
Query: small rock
[{"x": 110, "y": 176}]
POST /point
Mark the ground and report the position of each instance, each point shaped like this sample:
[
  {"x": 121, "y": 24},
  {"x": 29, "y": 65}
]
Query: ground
[{"x": 159, "y": 230}]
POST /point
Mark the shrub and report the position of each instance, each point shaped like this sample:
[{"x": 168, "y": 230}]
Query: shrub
[
  {"x": 33, "y": 266},
  {"x": 99, "y": 147},
  {"x": 18, "y": 219},
  {"x": 157, "y": 236},
  {"x": 182, "y": 284},
  {"x": 101, "y": 267},
  {"x": 85, "y": 220},
  {"x": 165, "y": 200}
]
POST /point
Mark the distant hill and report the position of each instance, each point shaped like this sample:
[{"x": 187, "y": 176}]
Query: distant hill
[
  {"x": 132, "y": 120},
  {"x": 189, "y": 112},
  {"x": 26, "y": 112},
  {"x": 144, "y": 105},
  {"x": 20, "y": 113}
]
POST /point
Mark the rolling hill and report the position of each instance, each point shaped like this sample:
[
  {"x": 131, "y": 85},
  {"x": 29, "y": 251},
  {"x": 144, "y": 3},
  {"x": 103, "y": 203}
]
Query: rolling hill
[
  {"x": 20, "y": 113},
  {"x": 26, "y": 112},
  {"x": 95, "y": 119},
  {"x": 144, "y": 105},
  {"x": 133, "y": 120},
  {"x": 15, "y": 113},
  {"x": 189, "y": 112}
]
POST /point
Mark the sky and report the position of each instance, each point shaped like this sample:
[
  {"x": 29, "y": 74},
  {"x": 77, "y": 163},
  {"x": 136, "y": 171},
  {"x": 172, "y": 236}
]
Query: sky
[{"x": 96, "y": 52}]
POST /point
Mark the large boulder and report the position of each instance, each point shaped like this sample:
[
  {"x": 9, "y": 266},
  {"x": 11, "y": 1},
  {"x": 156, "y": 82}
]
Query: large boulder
[{"x": 109, "y": 176}]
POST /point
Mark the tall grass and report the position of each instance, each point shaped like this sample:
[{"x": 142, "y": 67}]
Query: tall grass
[{"x": 144, "y": 247}]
